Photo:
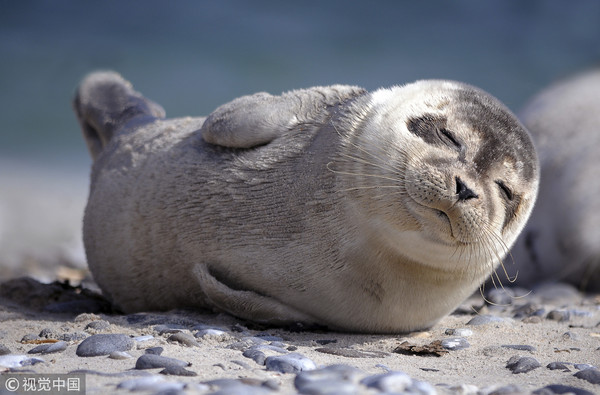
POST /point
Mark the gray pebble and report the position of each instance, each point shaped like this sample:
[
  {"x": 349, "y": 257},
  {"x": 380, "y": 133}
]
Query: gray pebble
[
  {"x": 256, "y": 355},
  {"x": 99, "y": 325},
  {"x": 73, "y": 336},
  {"x": 289, "y": 363},
  {"x": 104, "y": 344},
  {"x": 151, "y": 361},
  {"x": 173, "y": 370},
  {"x": 591, "y": 375},
  {"x": 485, "y": 319},
  {"x": 268, "y": 337},
  {"x": 462, "y": 332},
  {"x": 143, "y": 338},
  {"x": 168, "y": 328},
  {"x": 246, "y": 343},
  {"x": 119, "y": 355},
  {"x": 334, "y": 379},
  {"x": 456, "y": 343},
  {"x": 561, "y": 389},
  {"x": 184, "y": 338},
  {"x": 48, "y": 333},
  {"x": 154, "y": 350},
  {"x": 583, "y": 366},
  {"x": 4, "y": 350},
  {"x": 240, "y": 387},
  {"x": 150, "y": 383},
  {"x": 558, "y": 366},
  {"x": 510, "y": 389},
  {"x": 519, "y": 364},
  {"x": 528, "y": 310},
  {"x": 559, "y": 315},
  {"x": 49, "y": 348},
  {"x": 17, "y": 361},
  {"x": 29, "y": 337},
  {"x": 210, "y": 332},
  {"x": 520, "y": 347},
  {"x": 388, "y": 382}
]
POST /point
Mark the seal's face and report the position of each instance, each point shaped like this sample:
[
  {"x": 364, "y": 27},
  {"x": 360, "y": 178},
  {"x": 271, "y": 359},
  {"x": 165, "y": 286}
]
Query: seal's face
[{"x": 458, "y": 170}]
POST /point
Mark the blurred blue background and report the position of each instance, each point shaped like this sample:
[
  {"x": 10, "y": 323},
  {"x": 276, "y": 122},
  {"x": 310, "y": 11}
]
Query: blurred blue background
[{"x": 192, "y": 56}]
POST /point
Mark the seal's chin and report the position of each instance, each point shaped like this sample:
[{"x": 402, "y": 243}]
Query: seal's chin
[{"x": 435, "y": 224}]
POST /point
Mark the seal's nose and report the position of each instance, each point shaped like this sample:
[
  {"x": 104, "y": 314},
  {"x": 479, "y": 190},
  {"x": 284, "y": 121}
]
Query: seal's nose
[{"x": 463, "y": 191}]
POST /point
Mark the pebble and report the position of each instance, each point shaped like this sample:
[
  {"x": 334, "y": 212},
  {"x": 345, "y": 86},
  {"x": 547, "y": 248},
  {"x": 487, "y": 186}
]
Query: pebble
[
  {"x": 333, "y": 379},
  {"x": 558, "y": 366},
  {"x": 289, "y": 363},
  {"x": 119, "y": 355},
  {"x": 168, "y": 328},
  {"x": 520, "y": 347},
  {"x": 48, "y": 333},
  {"x": 462, "y": 332},
  {"x": 559, "y": 315},
  {"x": 268, "y": 337},
  {"x": 144, "y": 338},
  {"x": 73, "y": 336},
  {"x": 154, "y": 350},
  {"x": 485, "y": 319},
  {"x": 17, "y": 361},
  {"x": 4, "y": 350},
  {"x": 184, "y": 338},
  {"x": 350, "y": 353},
  {"x": 174, "y": 370},
  {"x": 29, "y": 337},
  {"x": 388, "y": 382},
  {"x": 583, "y": 366},
  {"x": 104, "y": 344},
  {"x": 519, "y": 364},
  {"x": 456, "y": 343},
  {"x": 561, "y": 389},
  {"x": 151, "y": 361},
  {"x": 239, "y": 387},
  {"x": 510, "y": 389},
  {"x": 49, "y": 348},
  {"x": 98, "y": 325},
  {"x": 591, "y": 375},
  {"x": 259, "y": 353},
  {"x": 152, "y": 383},
  {"x": 210, "y": 332}
]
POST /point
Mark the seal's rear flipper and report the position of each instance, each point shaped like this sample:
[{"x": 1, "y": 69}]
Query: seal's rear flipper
[{"x": 104, "y": 102}]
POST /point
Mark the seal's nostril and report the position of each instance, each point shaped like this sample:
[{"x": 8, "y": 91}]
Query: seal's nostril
[{"x": 463, "y": 191}]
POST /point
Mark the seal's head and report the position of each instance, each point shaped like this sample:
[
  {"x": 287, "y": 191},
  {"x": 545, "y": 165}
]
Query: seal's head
[{"x": 453, "y": 183}]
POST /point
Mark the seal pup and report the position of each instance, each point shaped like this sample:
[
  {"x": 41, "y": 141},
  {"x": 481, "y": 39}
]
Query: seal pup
[
  {"x": 562, "y": 239},
  {"x": 361, "y": 211}
]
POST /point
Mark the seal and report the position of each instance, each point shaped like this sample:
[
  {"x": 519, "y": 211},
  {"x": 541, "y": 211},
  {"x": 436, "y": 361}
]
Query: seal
[
  {"x": 360, "y": 211},
  {"x": 562, "y": 239}
]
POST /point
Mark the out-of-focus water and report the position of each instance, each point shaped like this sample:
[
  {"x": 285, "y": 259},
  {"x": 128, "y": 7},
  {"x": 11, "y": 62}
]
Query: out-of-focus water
[{"x": 191, "y": 56}]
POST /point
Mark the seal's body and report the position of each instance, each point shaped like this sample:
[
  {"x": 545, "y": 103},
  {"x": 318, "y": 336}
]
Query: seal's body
[
  {"x": 361, "y": 211},
  {"x": 562, "y": 240}
]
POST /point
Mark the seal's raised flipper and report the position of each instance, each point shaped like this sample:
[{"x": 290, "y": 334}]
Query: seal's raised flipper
[
  {"x": 257, "y": 119},
  {"x": 104, "y": 102}
]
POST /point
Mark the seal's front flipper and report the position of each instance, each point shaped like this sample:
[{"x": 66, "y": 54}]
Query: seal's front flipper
[
  {"x": 248, "y": 305},
  {"x": 254, "y": 120},
  {"x": 104, "y": 102}
]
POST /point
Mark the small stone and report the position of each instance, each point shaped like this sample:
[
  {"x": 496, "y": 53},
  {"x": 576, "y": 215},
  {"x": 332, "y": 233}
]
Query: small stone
[
  {"x": 104, "y": 344},
  {"x": 559, "y": 315},
  {"x": 86, "y": 317},
  {"x": 289, "y": 363},
  {"x": 561, "y": 389},
  {"x": 591, "y": 375},
  {"x": 48, "y": 333},
  {"x": 519, "y": 364},
  {"x": 350, "y": 353},
  {"x": 173, "y": 370},
  {"x": 152, "y": 383},
  {"x": 98, "y": 325},
  {"x": 324, "y": 342},
  {"x": 456, "y": 343},
  {"x": 168, "y": 328},
  {"x": 388, "y": 382},
  {"x": 210, "y": 332},
  {"x": 17, "y": 361},
  {"x": 49, "y": 348},
  {"x": 29, "y": 338},
  {"x": 528, "y": 310},
  {"x": 520, "y": 347},
  {"x": 462, "y": 332},
  {"x": 570, "y": 336},
  {"x": 268, "y": 337},
  {"x": 143, "y": 338},
  {"x": 485, "y": 319},
  {"x": 4, "y": 350},
  {"x": 151, "y": 361},
  {"x": 510, "y": 389},
  {"x": 183, "y": 338},
  {"x": 73, "y": 336},
  {"x": 532, "y": 320},
  {"x": 260, "y": 352},
  {"x": 333, "y": 379},
  {"x": 558, "y": 366},
  {"x": 154, "y": 350},
  {"x": 119, "y": 355}
]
